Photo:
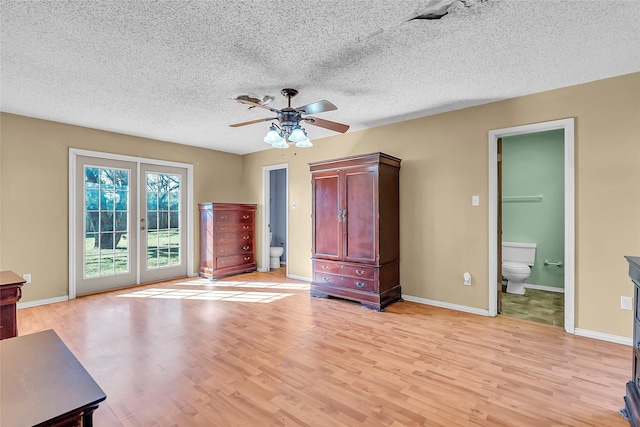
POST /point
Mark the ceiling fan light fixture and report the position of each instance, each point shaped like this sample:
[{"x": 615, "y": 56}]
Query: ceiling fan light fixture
[
  {"x": 298, "y": 135},
  {"x": 280, "y": 144},
  {"x": 273, "y": 136},
  {"x": 304, "y": 144}
]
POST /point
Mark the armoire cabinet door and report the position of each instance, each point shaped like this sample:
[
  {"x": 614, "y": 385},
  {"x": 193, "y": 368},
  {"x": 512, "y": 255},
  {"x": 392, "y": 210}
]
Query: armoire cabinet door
[
  {"x": 361, "y": 199},
  {"x": 327, "y": 209}
]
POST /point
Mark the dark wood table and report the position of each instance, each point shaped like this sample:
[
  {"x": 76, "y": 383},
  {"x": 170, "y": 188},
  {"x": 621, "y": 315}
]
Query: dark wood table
[{"x": 43, "y": 384}]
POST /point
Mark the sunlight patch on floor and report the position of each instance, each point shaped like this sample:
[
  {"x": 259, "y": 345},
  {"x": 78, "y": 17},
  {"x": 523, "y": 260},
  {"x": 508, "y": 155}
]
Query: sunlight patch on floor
[
  {"x": 241, "y": 284},
  {"x": 238, "y": 296}
]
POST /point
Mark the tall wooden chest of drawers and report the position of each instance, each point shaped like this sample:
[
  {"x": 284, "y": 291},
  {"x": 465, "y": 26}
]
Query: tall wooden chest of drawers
[
  {"x": 632, "y": 397},
  {"x": 227, "y": 239},
  {"x": 356, "y": 228}
]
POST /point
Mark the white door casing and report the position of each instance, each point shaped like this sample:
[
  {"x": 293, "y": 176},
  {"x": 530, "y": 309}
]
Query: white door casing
[
  {"x": 569, "y": 212},
  {"x": 78, "y": 157}
]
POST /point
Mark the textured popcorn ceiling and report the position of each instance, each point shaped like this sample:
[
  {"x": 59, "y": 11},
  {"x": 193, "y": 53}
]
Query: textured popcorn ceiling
[{"x": 168, "y": 69}]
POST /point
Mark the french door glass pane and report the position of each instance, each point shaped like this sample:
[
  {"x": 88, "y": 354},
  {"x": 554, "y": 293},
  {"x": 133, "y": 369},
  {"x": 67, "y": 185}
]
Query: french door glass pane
[
  {"x": 163, "y": 214},
  {"x": 106, "y": 221}
]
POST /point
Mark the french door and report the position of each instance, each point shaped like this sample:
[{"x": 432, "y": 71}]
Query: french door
[
  {"x": 130, "y": 223},
  {"x": 162, "y": 222}
]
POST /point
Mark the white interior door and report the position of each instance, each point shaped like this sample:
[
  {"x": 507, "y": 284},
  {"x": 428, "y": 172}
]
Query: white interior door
[
  {"x": 105, "y": 237},
  {"x": 162, "y": 222}
]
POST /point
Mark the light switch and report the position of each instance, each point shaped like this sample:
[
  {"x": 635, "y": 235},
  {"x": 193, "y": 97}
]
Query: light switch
[{"x": 475, "y": 200}]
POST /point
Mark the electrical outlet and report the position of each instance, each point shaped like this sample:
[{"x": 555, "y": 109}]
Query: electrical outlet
[
  {"x": 626, "y": 303},
  {"x": 27, "y": 277}
]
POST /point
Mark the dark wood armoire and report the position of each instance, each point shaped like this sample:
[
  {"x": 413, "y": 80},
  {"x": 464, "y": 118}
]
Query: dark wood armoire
[
  {"x": 356, "y": 229},
  {"x": 632, "y": 397},
  {"x": 227, "y": 239}
]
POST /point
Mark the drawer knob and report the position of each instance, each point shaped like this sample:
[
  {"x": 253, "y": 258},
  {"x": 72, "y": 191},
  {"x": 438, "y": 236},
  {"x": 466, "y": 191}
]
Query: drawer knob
[
  {"x": 326, "y": 278},
  {"x": 359, "y": 272},
  {"x": 360, "y": 284},
  {"x": 245, "y": 227},
  {"x": 245, "y": 216},
  {"x": 326, "y": 267},
  {"x": 246, "y": 237},
  {"x": 247, "y": 258},
  {"x": 246, "y": 248}
]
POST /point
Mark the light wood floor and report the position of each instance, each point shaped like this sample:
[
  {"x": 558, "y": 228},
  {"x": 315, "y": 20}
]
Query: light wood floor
[{"x": 255, "y": 350}]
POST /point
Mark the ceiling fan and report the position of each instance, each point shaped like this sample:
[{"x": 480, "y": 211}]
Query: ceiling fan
[{"x": 289, "y": 129}]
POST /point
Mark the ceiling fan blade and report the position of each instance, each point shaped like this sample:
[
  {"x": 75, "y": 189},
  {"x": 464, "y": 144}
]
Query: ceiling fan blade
[
  {"x": 255, "y": 104},
  {"x": 235, "y": 125},
  {"x": 317, "y": 107},
  {"x": 327, "y": 124}
]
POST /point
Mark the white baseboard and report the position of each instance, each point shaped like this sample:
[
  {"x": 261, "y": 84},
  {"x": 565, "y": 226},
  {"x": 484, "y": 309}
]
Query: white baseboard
[
  {"x": 543, "y": 288},
  {"x": 42, "y": 302},
  {"x": 604, "y": 337},
  {"x": 304, "y": 279},
  {"x": 457, "y": 307}
]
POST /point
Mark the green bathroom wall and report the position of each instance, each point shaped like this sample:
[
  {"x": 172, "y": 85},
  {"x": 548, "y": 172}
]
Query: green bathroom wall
[{"x": 533, "y": 164}]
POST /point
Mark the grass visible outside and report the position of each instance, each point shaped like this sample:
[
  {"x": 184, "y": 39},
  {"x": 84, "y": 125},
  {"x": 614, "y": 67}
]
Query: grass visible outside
[{"x": 163, "y": 249}]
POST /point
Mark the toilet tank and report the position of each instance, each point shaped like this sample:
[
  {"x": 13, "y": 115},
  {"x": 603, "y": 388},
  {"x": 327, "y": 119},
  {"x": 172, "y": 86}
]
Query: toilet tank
[{"x": 519, "y": 252}]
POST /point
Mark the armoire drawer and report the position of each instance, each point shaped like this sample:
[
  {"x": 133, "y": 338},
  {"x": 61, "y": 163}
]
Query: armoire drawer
[
  {"x": 351, "y": 270},
  {"x": 230, "y": 261},
  {"x": 344, "y": 281}
]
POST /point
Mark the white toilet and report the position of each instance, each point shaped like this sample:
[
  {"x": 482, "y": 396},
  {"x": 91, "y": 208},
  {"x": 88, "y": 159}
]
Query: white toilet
[
  {"x": 275, "y": 252},
  {"x": 517, "y": 259}
]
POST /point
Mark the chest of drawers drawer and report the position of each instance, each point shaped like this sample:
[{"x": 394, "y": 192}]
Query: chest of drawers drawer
[
  {"x": 10, "y": 294},
  {"x": 233, "y": 217},
  {"x": 233, "y": 260},
  {"x": 229, "y": 227},
  {"x": 229, "y": 238},
  {"x": 234, "y": 249}
]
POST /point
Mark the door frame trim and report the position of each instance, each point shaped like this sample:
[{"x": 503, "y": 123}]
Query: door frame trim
[
  {"x": 569, "y": 211},
  {"x": 266, "y": 192},
  {"x": 73, "y": 154}
]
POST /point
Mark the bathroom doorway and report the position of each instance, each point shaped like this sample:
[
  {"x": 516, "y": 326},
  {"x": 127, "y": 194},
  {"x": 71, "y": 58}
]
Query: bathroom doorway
[
  {"x": 532, "y": 213},
  {"x": 275, "y": 214},
  {"x": 551, "y": 276}
]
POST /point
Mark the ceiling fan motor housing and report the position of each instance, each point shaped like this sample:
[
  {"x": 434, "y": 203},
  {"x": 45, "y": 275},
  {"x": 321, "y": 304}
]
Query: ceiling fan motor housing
[{"x": 289, "y": 119}]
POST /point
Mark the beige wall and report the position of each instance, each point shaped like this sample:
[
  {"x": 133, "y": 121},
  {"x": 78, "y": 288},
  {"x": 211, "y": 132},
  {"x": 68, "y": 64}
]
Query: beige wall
[
  {"x": 34, "y": 158},
  {"x": 445, "y": 163}
]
